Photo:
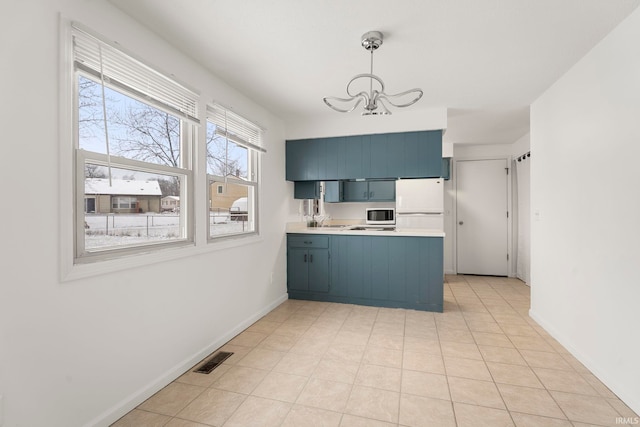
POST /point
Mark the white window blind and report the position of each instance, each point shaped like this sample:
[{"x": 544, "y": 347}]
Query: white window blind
[
  {"x": 121, "y": 71},
  {"x": 236, "y": 128}
]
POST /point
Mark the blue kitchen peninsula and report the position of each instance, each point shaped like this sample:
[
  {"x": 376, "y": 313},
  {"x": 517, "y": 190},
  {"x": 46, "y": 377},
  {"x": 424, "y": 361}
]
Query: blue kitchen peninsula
[{"x": 401, "y": 269}]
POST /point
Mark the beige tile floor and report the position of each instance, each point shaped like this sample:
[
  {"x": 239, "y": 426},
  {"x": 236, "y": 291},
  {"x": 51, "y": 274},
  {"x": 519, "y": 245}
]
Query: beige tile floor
[{"x": 483, "y": 362}]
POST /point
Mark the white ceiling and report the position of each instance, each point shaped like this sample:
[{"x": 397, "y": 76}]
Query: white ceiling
[{"x": 484, "y": 60}]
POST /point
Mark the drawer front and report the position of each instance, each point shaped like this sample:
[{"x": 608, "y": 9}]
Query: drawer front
[{"x": 308, "y": 241}]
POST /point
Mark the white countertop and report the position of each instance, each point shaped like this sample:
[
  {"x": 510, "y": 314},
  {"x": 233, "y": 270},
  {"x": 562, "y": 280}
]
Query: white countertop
[{"x": 301, "y": 228}]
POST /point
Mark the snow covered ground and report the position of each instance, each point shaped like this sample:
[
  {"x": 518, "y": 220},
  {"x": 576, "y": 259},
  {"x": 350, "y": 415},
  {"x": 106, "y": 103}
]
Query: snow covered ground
[{"x": 129, "y": 229}]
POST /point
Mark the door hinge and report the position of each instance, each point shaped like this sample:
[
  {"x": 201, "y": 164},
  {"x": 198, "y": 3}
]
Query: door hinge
[
  {"x": 507, "y": 170},
  {"x": 507, "y": 257},
  {"x": 507, "y": 214}
]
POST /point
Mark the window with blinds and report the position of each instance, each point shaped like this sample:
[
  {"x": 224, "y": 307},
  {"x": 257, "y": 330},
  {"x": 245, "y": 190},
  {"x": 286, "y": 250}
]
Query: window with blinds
[
  {"x": 123, "y": 72},
  {"x": 135, "y": 131},
  {"x": 234, "y": 145}
]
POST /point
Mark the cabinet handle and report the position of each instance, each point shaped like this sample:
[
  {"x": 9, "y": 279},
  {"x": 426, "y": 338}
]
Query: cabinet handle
[
  {"x": 305, "y": 257},
  {"x": 311, "y": 258},
  {"x": 371, "y": 195},
  {"x": 364, "y": 194}
]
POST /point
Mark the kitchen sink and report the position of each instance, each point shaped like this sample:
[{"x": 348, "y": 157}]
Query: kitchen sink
[{"x": 373, "y": 228}]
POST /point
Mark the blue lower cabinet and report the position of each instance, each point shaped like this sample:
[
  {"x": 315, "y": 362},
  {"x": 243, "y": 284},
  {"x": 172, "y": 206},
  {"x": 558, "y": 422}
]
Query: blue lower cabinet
[
  {"x": 308, "y": 263},
  {"x": 319, "y": 270},
  {"x": 298, "y": 268},
  {"x": 404, "y": 272}
]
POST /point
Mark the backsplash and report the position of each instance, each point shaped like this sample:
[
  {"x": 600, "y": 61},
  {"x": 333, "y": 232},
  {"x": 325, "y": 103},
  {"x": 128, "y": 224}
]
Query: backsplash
[{"x": 352, "y": 210}]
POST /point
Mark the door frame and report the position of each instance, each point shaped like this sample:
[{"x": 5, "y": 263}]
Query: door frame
[{"x": 510, "y": 235}]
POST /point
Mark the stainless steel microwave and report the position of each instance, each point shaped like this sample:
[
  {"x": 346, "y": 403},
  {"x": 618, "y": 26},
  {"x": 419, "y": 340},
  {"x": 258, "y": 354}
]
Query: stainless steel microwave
[{"x": 381, "y": 216}]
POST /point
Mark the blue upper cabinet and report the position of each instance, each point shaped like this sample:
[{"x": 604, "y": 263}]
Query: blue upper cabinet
[
  {"x": 306, "y": 190},
  {"x": 392, "y": 155},
  {"x": 446, "y": 168},
  {"x": 379, "y": 165}
]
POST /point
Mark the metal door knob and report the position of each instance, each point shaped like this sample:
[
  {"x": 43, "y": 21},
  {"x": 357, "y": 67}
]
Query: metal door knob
[{"x": 461, "y": 222}]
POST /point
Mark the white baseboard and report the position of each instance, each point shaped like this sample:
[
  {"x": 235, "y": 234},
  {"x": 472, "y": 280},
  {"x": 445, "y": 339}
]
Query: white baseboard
[
  {"x": 621, "y": 391},
  {"x": 132, "y": 401}
]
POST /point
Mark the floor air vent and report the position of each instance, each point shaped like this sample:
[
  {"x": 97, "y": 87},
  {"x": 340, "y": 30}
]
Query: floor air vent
[{"x": 214, "y": 362}]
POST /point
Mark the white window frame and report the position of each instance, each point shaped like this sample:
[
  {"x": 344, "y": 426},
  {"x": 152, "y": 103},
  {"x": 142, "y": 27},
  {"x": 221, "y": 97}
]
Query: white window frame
[
  {"x": 220, "y": 116},
  {"x": 186, "y": 223},
  {"x": 81, "y": 157},
  {"x": 69, "y": 268}
]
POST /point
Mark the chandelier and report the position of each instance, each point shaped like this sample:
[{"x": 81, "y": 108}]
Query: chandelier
[{"x": 374, "y": 101}]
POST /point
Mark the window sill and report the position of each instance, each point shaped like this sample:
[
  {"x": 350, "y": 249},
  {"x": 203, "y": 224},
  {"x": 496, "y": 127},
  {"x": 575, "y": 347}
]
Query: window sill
[{"x": 98, "y": 268}]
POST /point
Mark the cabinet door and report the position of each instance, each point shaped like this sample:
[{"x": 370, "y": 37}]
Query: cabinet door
[
  {"x": 356, "y": 191},
  {"x": 355, "y": 253},
  {"x": 311, "y": 159},
  {"x": 294, "y": 161},
  {"x": 306, "y": 190},
  {"x": 365, "y": 156},
  {"x": 298, "y": 269},
  {"x": 333, "y": 191},
  {"x": 446, "y": 168},
  {"x": 318, "y": 270},
  {"x": 339, "y": 265},
  {"x": 331, "y": 151},
  {"x": 382, "y": 191},
  {"x": 395, "y": 155},
  {"x": 398, "y": 267},
  {"x": 430, "y": 154},
  {"x": 380, "y": 279},
  {"x": 378, "y": 157},
  {"x": 412, "y": 158},
  {"x": 353, "y": 157}
]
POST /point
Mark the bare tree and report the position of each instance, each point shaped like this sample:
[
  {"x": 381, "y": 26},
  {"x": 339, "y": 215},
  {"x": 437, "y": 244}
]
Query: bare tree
[
  {"x": 94, "y": 171},
  {"x": 222, "y": 158},
  {"x": 142, "y": 132},
  {"x": 169, "y": 186},
  {"x": 150, "y": 135},
  {"x": 90, "y": 117}
]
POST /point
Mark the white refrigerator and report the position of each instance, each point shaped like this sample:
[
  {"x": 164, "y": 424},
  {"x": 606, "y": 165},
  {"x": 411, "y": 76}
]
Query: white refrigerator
[{"x": 420, "y": 204}]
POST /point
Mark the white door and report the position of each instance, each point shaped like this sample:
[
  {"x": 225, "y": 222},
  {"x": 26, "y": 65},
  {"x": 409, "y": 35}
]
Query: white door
[{"x": 481, "y": 217}]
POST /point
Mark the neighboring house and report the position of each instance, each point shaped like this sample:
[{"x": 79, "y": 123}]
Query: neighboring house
[
  {"x": 170, "y": 203},
  {"x": 224, "y": 195},
  {"x": 122, "y": 196}
]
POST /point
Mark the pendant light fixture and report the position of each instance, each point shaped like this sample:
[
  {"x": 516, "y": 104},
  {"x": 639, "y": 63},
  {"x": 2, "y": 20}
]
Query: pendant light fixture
[{"x": 374, "y": 100}]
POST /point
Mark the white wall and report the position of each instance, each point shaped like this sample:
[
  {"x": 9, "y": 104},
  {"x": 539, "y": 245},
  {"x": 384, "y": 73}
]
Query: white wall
[
  {"x": 585, "y": 141},
  {"x": 84, "y": 352},
  {"x": 477, "y": 151},
  {"x": 343, "y": 124}
]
